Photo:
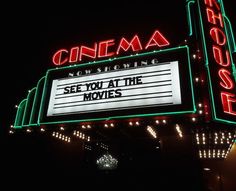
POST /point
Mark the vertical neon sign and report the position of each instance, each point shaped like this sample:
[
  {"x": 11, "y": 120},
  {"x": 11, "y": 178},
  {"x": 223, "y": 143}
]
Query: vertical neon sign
[{"x": 218, "y": 61}]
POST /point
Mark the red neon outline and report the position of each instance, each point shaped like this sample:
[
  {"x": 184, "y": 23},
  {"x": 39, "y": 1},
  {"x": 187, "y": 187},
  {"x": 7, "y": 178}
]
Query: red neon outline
[
  {"x": 135, "y": 47},
  {"x": 101, "y": 49},
  {"x": 85, "y": 48},
  {"x": 157, "y": 39},
  {"x": 226, "y": 99},
  {"x": 107, "y": 43},
  {"x": 226, "y": 82},
  {"x": 211, "y": 17},
  {"x": 210, "y": 3},
  {"x": 219, "y": 56},
  {"x": 214, "y": 32},
  {"x": 74, "y": 52},
  {"x": 59, "y": 62}
]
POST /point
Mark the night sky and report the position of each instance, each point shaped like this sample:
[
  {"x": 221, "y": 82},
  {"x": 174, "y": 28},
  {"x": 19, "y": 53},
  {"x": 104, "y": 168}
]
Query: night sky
[{"x": 32, "y": 32}]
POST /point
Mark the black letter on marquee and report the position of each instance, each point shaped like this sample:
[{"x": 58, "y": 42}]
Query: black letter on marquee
[{"x": 111, "y": 84}]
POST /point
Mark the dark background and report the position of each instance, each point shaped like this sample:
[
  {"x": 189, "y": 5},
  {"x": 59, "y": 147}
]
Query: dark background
[{"x": 32, "y": 32}]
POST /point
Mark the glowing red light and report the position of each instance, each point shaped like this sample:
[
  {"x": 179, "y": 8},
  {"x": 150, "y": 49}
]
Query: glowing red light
[
  {"x": 107, "y": 48},
  {"x": 222, "y": 61},
  {"x": 212, "y": 3},
  {"x": 135, "y": 44},
  {"x": 226, "y": 81},
  {"x": 103, "y": 48},
  {"x": 88, "y": 52},
  {"x": 213, "y": 18},
  {"x": 218, "y": 36},
  {"x": 228, "y": 100},
  {"x": 217, "y": 51},
  {"x": 57, "y": 57},
  {"x": 157, "y": 39}
]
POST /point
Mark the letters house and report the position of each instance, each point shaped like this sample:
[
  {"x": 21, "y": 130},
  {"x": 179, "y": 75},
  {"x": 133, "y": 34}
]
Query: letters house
[{"x": 98, "y": 94}]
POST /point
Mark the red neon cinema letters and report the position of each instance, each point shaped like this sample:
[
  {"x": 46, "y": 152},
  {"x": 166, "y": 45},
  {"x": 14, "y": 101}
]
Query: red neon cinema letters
[
  {"x": 221, "y": 58},
  {"x": 105, "y": 49}
]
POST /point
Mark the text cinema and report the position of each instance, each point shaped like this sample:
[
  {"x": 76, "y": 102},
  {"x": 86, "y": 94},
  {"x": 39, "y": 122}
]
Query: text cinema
[{"x": 106, "y": 48}]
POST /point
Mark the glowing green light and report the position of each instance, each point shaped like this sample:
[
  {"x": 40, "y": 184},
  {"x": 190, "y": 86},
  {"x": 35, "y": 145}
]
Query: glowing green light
[
  {"x": 45, "y": 89},
  {"x": 214, "y": 113}
]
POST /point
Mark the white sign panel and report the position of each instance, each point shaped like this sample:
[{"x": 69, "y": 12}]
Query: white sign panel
[{"x": 146, "y": 86}]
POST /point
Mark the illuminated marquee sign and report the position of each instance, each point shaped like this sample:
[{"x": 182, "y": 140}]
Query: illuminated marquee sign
[
  {"x": 147, "y": 84},
  {"x": 107, "y": 48},
  {"x": 219, "y": 61}
]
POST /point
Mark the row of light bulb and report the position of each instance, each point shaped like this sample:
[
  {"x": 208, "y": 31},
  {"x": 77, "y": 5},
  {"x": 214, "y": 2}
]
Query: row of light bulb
[
  {"x": 61, "y": 136},
  {"x": 179, "y": 130},
  {"x": 81, "y": 135},
  {"x": 222, "y": 140},
  {"x": 151, "y": 131},
  {"x": 212, "y": 153}
]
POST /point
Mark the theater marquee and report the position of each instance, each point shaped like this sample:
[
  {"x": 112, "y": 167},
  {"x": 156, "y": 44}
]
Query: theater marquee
[
  {"x": 146, "y": 86},
  {"x": 141, "y": 76},
  {"x": 153, "y": 83}
]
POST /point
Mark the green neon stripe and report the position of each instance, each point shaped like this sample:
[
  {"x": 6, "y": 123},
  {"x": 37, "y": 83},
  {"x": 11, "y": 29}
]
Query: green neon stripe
[
  {"x": 16, "y": 122},
  {"x": 225, "y": 121},
  {"x": 23, "y": 117},
  {"x": 24, "y": 122},
  {"x": 189, "y": 18},
  {"x": 203, "y": 35},
  {"x": 126, "y": 116},
  {"x": 23, "y": 112},
  {"x": 31, "y": 125},
  {"x": 43, "y": 99},
  {"x": 34, "y": 103},
  {"x": 119, "y": 117},
  {"x": 230, "y": 47},
  {"x": 230, "y": 36},
  {"x": 206, "y": 60},
  {"x": 191, "y": 80},
  {"x": 230, "y": 32},
  {"x": 19, "y": 114}
]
